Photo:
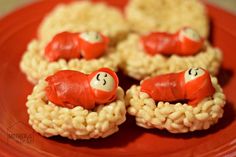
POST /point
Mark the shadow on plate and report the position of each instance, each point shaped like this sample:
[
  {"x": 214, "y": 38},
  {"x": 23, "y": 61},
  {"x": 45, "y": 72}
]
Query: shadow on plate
[
  {"x": 224, "y": 76},
  {"x": 125, "y": 81}
]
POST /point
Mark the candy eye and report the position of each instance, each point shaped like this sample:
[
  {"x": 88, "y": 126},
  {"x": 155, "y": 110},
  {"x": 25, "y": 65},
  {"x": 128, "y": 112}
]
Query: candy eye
[
  {"x": 97, "y": 77},
  {"x": 103, "y": 81},
  {"x": 92, "y": 37},
  {"x": 192, "y": 74},
  {"x": 189, "y": 33}
]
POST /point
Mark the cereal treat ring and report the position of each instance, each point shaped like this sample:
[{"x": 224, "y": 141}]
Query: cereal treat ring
[
  {"x": 139, "y": 65},
  {"x": 175, "y": 117},
  {"x": 41, "y": 60},
  {"x": 84, "y": 16},
  {"x": 167, "y": 15},
  {"x": 76, "y": 122}
]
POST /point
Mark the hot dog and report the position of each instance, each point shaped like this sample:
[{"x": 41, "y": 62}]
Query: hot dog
[
  {"x": 69, "y": 88},
  {"x": 191, "y": 85},
  {"x": 66, "y": 45},
  {"x": 184, "y": 42}
]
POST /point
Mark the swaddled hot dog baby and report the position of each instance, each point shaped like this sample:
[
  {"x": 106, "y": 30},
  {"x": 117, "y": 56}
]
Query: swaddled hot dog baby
[
  {"x": 84, "y": 51},
  {"x": 179, "y": 102},
  {"x": 72, "y": 88},
  {"x": 77, "y": 105},
  {"x": 159, "y": 53},
  {"x": 192, "y": 85}
]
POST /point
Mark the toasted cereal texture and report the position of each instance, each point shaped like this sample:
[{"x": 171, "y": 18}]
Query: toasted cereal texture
[
  {"x": 35, "y": 66},
  {"x": 78, "y": 123},
  {"x": 84, "y": 16},
  {"x": 167, "y": 15},
  {"x": 176, "y": 118},
  {"x": 139, "y": 65}
]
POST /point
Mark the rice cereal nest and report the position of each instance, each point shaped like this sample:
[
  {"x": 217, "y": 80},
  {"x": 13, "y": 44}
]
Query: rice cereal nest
[
  {"x": 77, "y": 123},
  {"x": 176, "y": 118},
  {"x": 167, "y": 15},
  {"x": 36, "y": 66},
  {"x": 139, "y": 65},
  {"x": 83, "y": 16}
]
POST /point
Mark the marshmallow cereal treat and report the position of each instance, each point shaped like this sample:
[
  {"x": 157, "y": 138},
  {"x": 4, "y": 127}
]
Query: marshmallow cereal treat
[
  {"x": 77, "y": 105},
  {"x": 160, "y": 52},
  {"x": 83, "y": 51},
  {"x": 167, "y": 16},
  {"x": 80, "y": 16},
  {"x": 178, "y": 102}
]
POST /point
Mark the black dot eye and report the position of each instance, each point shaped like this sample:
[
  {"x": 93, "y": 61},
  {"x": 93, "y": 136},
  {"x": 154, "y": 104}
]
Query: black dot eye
[
  {"x": 196, "y": 73},
  {"x": 98, "y": 77},
  {"x": 104, "y": 83},
  {"x": 190, "y": 71}
]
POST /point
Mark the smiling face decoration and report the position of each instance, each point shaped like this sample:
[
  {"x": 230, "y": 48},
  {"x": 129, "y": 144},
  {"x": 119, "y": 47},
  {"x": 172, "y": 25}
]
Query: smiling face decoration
[
  {"x": 92, "y": 44},
  {"x": 190, "y": 34},
  {"x": 192, "y": 74},
  {"x": 197, "y": 85},
  {"x": 190, "y": 42},
  {"x": 92, "y": 37},
  {"x": 104, "y": 83}
]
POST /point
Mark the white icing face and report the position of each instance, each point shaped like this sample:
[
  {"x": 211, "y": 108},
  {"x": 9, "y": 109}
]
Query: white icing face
[
  {"x": 192, "y": 74},
  {"x": 190, "y": 34},
  {"x": 92, "y": 37},
  {"x": 103, "y": 81}
]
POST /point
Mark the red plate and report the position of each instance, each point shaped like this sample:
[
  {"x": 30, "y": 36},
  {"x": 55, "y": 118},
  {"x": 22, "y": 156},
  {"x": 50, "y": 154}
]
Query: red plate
[{"x": 17, "y": 138}]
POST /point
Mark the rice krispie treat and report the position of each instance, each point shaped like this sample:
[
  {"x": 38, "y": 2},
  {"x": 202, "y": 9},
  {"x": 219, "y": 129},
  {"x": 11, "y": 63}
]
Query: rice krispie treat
[
  {"x": 167, "y": 16},
  {"x": 160, "y": 53},
  {"x": 77, "y": 106},
  {"x": 82, "y": 16},
  {"x": 179, "y": 102},
  {"x": 83, "y": 51}
]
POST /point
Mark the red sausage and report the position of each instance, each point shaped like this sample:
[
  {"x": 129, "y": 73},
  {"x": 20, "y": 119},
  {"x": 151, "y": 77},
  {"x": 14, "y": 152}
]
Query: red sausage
[
  {"x": 166, "y": 87},
  {"x": 184, "y": 42},
  {"x": 64, "y": 45},
  {"x": 68, "y": 45},
  {"x": 69, "y": 89},
  {"x": 192, "y": 85}
]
